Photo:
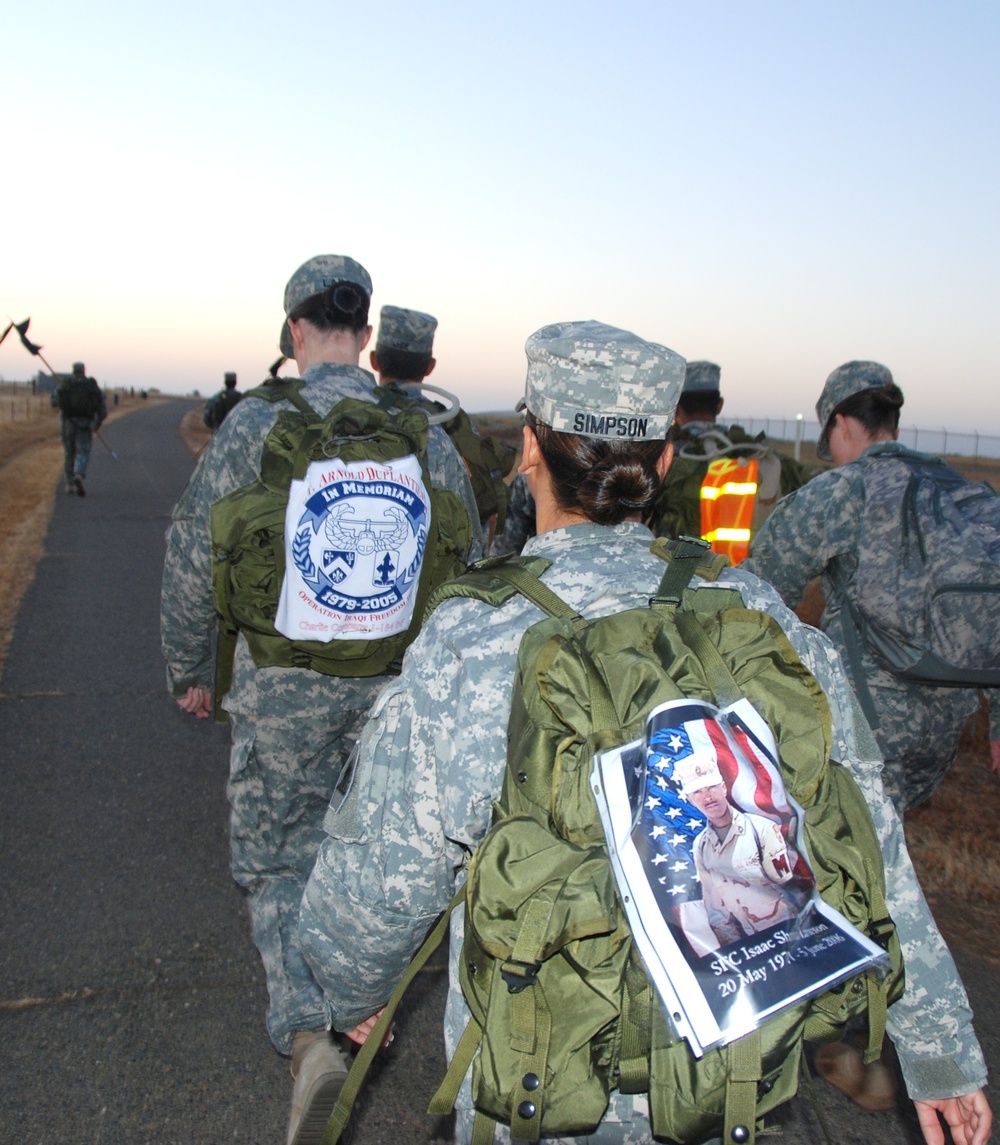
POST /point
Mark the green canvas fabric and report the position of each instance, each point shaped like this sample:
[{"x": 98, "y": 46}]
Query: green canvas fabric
[
  {"x": 487, "y": 459},
  {"x": 562, "y": 1009},
  {"x": 249, "y": 545}
]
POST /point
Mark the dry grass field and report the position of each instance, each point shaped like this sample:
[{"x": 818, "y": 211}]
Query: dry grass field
[{"x": 954, "y": 838}]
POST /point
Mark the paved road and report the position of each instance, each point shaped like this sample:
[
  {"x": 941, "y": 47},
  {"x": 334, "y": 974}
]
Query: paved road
[{"x": 131, "y": 998}]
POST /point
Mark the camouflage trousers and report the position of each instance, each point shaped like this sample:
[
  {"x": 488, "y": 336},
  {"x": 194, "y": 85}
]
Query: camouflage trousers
[
  {"x": 919, "y": 728},
  {"x": 282, "y": 774},
  {"x": 77, "y": 438}
]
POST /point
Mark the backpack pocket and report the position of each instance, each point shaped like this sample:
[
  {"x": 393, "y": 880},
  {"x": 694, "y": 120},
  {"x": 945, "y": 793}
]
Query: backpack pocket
[{"x": 542, "y": 931}]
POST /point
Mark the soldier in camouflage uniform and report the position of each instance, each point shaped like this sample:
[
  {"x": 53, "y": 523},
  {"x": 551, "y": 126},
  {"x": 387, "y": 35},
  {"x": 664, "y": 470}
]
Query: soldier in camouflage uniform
[
  {"x": 292, "y": 728},
  {"x": 698, "y": 439},
  {"x": 221, "y": 403},
  {"x": 816, "y": 532},
  {"x": 403, "y": 358},
  {"x": 83, "y": 409},
  {"x": 433, "y": 754}
]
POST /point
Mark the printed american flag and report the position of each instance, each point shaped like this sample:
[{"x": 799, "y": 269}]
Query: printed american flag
[{"x": 666, "y": 823}]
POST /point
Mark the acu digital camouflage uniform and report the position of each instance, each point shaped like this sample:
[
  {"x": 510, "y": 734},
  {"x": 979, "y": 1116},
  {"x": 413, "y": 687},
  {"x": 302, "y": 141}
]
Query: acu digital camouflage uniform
[
  {"x": 432, "y": 759},
  {"x": 218, "y": 406},
  {"x": 77, "y": 430},
  {"x": 292, "y": 729},
  {"x": 816, "y": 532}
]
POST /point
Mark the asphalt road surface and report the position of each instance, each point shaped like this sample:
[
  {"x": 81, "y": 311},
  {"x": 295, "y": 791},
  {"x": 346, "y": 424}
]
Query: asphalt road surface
[{"x": 131, "y": 997}]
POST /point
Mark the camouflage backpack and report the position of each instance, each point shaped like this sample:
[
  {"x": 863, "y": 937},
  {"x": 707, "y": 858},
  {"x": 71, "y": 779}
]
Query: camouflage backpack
[
  {"x": 925, "y": 599},
  {"x": 487, "y": 459},
  {"x": 249, "y": 544},
  {"x": 563, "y": 1011}
]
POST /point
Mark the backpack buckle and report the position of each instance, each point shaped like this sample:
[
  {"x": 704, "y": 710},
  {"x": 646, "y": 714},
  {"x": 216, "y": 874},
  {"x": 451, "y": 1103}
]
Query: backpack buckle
[
  {"x": 881, "y": 930},
  {"x": 518, "y": 975}
]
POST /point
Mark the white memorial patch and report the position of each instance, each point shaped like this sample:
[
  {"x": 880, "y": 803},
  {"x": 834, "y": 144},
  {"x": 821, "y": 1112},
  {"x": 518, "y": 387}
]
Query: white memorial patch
[{"x": 355, "y": 535}]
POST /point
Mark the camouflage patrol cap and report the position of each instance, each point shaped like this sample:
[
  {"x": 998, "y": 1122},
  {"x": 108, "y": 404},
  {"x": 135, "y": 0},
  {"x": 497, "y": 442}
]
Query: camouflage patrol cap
[
  {"x": 701, "y": 376},
  {"x": 229, "y": 379},
  {"x": 313, "y": 277},
  {"x": 599, "y": 381},
  {"x": 408, "y": 330},
  {"x": 845, "y": 381},
  {"x": 79, "y": 368}
]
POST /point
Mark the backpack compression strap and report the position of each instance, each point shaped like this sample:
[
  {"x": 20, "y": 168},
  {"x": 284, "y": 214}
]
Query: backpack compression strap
[{"x": 366, "y": 1054}]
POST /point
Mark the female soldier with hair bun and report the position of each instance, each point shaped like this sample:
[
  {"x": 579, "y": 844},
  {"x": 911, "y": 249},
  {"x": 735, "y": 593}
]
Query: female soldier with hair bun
[
  {"x": 817, "y": 531},
  {"x": 599, "y": 403},
  {"x": 292, "y": 728}
]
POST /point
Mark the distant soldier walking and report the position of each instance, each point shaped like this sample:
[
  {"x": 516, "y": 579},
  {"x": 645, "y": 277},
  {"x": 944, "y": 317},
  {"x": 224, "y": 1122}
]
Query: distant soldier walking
[
  {"x": 221, "y": 403},
  {"x": 82, "y": 410}
]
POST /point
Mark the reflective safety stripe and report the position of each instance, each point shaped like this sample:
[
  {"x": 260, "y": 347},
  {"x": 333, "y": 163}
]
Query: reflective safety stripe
[
  {"x": 730, "y": 489},
  {"x": 729, "y": 535},
  {"x": 728, "y": 495}
]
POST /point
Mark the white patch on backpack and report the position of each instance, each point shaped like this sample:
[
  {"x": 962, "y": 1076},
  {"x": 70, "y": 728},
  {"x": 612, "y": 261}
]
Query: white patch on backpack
[{"x": 355, "y": 535}]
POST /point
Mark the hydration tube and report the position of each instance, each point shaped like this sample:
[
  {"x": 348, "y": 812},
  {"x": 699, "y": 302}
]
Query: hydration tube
[{"x": 454, "y": 407}]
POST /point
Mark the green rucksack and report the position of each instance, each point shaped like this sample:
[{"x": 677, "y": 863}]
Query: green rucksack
[
  {"x": 562, "y": 1009},
  {"x": 248, "y": 534},
  {"x": 487, "y": 459},
  {"x": 676, "y": 512}
]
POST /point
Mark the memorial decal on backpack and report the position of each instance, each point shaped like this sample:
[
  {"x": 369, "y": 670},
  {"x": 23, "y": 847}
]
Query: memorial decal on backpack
[{"x": 355, "y": 536}]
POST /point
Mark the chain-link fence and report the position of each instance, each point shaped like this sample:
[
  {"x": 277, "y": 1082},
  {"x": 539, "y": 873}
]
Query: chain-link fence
[{"x": 937, "y": 441}]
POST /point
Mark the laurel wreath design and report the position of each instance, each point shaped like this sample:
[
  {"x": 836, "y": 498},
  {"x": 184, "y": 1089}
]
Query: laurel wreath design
[{"x": 303, "y": 559}]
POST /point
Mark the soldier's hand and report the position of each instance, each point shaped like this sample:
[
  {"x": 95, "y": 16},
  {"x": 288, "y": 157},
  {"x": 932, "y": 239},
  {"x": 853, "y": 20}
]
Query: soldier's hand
[
  {"x": 969, "y": 1118},
  {"x": 197, "y": 701},
  {"x": 361, "y": 1031}
]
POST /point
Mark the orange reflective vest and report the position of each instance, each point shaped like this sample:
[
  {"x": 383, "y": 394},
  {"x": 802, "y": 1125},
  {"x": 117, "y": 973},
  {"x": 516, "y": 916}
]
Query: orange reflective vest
[{"x": 728, "y": 496}]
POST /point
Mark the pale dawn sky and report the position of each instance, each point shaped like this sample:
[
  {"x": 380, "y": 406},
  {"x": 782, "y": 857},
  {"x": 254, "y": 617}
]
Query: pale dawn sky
[{"x": 777, "y": 186}]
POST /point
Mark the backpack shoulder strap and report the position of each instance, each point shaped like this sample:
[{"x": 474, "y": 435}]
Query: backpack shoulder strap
[
  {"x": 283, "y": 389},
  {"x": 496, "y": 579}
]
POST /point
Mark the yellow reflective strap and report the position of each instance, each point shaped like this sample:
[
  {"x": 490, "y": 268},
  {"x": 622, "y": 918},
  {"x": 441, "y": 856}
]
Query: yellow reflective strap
[{"x": 730, "y": 535}]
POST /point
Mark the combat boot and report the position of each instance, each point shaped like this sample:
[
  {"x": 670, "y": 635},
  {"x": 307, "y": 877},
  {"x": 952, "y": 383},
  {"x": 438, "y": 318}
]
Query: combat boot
[{"x": 320, "y": 1070}]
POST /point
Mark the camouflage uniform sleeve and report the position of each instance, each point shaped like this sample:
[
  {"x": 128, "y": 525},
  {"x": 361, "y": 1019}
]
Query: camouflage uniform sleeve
[
  {"x": 992, "y": 696},
  {"x": 931, "y": 1025},
  {"x": 102, "y": 410},
  {"x": 430, "y": 761},
  {"x": 806, "y": 530},
  {"x": 448, "y": 471},
  {"x": 187, "y": 607},
  {"x": 520, "y": 524}
]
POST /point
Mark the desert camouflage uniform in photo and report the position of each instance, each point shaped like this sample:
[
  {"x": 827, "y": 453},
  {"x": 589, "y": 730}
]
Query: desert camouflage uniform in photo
[
  {"x": 815, "y": 532},
  {"x": 292, "y": 729},
  {"x": 398, "y": 846}
]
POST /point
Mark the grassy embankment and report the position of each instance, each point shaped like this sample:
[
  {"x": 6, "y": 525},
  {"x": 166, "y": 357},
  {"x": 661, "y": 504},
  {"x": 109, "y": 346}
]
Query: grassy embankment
[{"x": 954, "y": 838}]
